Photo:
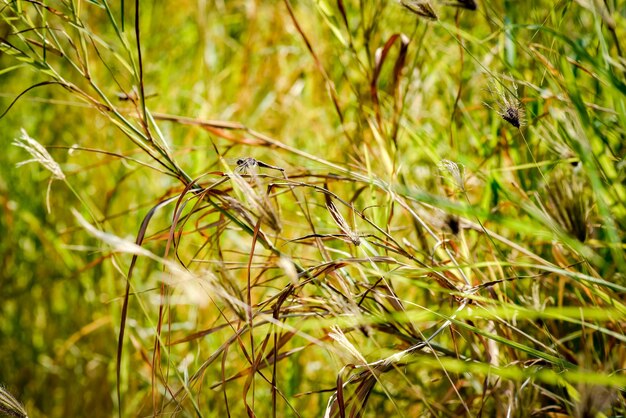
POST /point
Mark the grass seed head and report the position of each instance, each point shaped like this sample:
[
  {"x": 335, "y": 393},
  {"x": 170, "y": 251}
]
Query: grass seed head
[
  {"x": 568, "y": 204},
  {"x": 10, "y": 406},
  {"x": 456, "y": 171},
  {"x": 422, "y": 8},
  {"x": 255, "y": 202},
  {"x": 40, "y": 155},
  {"x": 509, "y": 107}
]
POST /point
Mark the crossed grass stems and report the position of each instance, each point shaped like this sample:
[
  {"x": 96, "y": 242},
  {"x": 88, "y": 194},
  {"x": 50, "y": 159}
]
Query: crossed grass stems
[
  {"x": 258, "y": 212},
  {"x": 266, "y": 215},
  {"x": 381, "y": 292}
]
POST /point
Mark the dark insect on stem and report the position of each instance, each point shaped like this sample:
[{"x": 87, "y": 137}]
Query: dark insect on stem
[
  {"x": 251, "y": 163},
  {"x": 464, "y": 4},
  {"x": 511, "y": 115},
  {"x": 453, "y": 223}
]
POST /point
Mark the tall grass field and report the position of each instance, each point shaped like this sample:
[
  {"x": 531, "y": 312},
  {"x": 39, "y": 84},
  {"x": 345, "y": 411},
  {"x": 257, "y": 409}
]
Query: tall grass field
[{"x": 313, "y": 208}]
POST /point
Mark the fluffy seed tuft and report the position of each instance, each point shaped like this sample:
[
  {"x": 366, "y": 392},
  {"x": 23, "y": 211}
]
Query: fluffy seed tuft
[
  {"x": 508, "y": 105},
  {"x": 456, "y": 171},
  {"x": 40, "y": 155}
]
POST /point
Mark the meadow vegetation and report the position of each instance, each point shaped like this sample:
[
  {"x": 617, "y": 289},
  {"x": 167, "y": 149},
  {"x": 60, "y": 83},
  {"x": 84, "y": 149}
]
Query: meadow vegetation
[{"x": 313, "y": 208}]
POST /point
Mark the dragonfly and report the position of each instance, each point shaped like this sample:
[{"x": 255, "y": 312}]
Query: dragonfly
[{"x": 251, "y": 164}]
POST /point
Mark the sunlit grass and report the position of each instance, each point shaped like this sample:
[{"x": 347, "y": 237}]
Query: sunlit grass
[{"x": 303, "y": 208}]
